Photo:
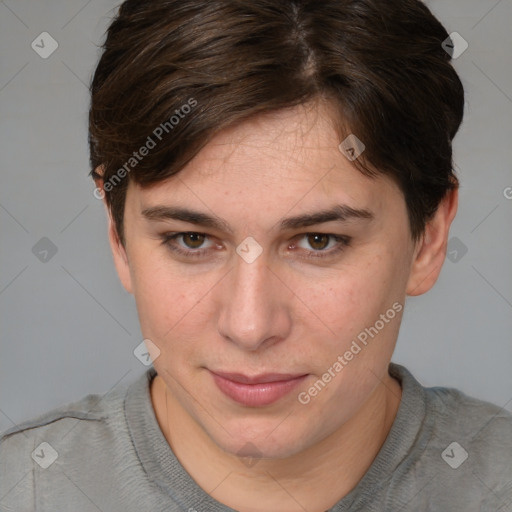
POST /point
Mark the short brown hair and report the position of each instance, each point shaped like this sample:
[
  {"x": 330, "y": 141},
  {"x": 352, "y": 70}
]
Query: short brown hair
[{"x": 381, "y": 64}]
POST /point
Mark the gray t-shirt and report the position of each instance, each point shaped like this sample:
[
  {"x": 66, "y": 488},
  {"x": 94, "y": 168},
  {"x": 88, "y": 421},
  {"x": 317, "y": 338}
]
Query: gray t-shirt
[{"x": 446, "y": 452}]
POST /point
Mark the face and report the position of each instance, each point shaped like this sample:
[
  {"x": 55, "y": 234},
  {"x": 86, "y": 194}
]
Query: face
[{"x": 264, "y": 297}]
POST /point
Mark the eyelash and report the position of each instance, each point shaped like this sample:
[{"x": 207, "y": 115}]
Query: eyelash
[{"x": 343, "y": 243}]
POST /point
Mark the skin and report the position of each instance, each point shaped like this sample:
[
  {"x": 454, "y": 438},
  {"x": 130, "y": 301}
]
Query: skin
[{"x": 281, "y": 313}]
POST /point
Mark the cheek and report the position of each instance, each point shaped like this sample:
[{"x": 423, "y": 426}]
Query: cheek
[
  {"x": 173, "y": 307},
  {"x": 349, "y": 295},
  {"x": 162, "y": 295},
  {"x": 362, "y": 308},
  {"x": 351, "y": 300}
]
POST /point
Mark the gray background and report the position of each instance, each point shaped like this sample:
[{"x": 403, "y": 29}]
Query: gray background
[{"x": 68, "y": 328}]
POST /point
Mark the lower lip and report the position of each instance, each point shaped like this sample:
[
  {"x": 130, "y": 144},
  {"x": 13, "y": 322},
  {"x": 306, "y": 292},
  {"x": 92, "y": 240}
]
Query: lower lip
[{"x": 256, "y": 395}]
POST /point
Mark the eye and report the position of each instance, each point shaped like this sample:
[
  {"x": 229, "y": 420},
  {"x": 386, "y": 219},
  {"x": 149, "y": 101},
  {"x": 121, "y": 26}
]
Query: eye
[
  {"x": 193, "y": 244},
  {"x": 321, "y": 241}
]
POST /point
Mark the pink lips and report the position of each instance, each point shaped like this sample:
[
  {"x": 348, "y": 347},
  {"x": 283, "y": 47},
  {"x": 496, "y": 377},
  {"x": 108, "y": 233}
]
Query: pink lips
[{"x": 256, "y": 391}]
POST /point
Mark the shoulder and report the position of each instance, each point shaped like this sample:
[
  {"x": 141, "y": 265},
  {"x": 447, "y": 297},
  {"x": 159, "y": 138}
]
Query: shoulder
[
  {"x": 456, "y": 449},
  {"x": 93, "y": 407},
  {"x": 471, "y": 444},
  {"x": 448, "y": 411},
  {"x": 88, "y": 410},
  {"x": 479, "y": 421},
  {"x": 29, "y": 448}
]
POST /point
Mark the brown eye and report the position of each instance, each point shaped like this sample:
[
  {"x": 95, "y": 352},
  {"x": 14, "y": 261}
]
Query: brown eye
[
  {"x": 188, "y": 244},
  {"x": 321, "y": 245},
  {"x": 196, "y": 240},
  {"x": 318, "y": 241}
]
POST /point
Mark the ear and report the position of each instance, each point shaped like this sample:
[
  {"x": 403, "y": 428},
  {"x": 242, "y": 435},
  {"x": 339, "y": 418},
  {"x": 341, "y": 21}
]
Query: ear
[
  {"x": 119, "y": 253},
  {"x": 430, "y": 251}
]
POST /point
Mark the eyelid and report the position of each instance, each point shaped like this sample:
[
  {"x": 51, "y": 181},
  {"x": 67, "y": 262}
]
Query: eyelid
[
  {"x": 167, "y": 238},
  {"x": 343, "y": 241}
]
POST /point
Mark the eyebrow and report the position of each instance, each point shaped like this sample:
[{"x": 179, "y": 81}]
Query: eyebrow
[{"x": 339, "y": 213}]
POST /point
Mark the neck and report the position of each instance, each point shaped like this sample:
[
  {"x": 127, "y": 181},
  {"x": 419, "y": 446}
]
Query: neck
[{"x": 314, "y": 479}]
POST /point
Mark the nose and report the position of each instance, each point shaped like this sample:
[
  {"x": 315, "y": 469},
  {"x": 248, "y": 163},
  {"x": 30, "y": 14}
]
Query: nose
[{"x": 254, "y": 310}]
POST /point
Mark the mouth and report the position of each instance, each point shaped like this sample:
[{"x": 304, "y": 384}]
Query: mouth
[{"x": 256, "y": 391}]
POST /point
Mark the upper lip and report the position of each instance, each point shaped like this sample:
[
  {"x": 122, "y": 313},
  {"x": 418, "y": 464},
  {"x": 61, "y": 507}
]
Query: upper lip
[{"x": 258, "y": 379}]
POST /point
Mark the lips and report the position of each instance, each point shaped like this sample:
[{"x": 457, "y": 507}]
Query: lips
[
  {"x": 261, "y": 379},
  {"x": 256, "y": 391}
]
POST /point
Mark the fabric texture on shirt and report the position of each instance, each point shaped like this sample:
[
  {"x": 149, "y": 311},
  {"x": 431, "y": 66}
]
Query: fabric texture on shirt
[{"x": 446, "y": 451}]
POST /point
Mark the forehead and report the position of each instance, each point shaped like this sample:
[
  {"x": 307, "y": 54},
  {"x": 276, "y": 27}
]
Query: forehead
[
  {"x": 295, "y": 143},
  {"x": 283, "y": 160}
]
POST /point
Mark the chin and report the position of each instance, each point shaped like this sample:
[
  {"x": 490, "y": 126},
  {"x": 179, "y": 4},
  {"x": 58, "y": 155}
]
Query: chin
[{"x": 270, "y": 440}]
